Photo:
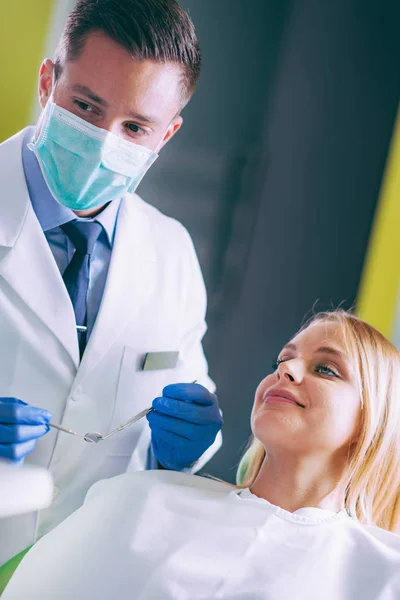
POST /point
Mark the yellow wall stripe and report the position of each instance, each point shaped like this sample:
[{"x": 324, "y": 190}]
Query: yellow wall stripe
[
  {"x": 378, "y": 293},
  {"x": 23, "y": 33}
]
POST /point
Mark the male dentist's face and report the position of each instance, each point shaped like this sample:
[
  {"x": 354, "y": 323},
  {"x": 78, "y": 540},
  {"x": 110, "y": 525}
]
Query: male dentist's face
[{"x": 135, "y": 100}]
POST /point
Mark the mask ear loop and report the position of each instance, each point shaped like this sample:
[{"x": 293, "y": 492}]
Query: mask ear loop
[
  {"x": 53, "y": 84},
  {"x": 42, "y": 119},
  {"x": 157, "y": 149}
]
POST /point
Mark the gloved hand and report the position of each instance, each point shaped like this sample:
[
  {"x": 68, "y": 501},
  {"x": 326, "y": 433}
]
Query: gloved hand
[
  {"x": 20, "y": 426},
  {"x": 184, "y": 423}
]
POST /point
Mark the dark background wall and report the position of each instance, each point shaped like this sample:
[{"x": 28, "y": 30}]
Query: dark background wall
[{"x": 277, "y": 174}]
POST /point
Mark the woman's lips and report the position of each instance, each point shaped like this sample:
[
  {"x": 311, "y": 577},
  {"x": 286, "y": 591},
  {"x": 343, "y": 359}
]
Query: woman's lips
[{"x": 276, "y": 395}]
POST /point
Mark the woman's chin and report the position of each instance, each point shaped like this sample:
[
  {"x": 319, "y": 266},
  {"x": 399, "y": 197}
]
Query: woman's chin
[{"x": 274, "y": 426}]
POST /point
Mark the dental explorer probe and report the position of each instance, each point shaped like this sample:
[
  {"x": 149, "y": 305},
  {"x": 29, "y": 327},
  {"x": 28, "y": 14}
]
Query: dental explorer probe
[{"x": 93, "y": 437}]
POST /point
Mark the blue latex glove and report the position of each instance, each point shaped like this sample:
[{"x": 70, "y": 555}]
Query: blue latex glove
[
  {"x": 184, "y": 423},
  {"x": 20, "y": 426}
]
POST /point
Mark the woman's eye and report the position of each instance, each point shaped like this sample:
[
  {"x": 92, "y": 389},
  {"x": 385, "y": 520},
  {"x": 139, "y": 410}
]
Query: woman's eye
[
  {"x": 276, "y": 362},
  {"x": 325, "y": 370}
]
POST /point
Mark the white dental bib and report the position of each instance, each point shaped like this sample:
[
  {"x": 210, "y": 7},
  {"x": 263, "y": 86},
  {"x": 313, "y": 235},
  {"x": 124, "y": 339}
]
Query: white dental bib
[{"x": 164, "y": 535}]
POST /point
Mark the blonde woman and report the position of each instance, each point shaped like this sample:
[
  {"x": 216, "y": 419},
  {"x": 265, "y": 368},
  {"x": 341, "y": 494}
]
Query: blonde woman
[{"x": 313, "y": 520}]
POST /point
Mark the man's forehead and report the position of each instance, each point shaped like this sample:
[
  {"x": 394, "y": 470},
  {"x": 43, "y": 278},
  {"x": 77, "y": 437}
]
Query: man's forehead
[{"x": 110, "y": 71}]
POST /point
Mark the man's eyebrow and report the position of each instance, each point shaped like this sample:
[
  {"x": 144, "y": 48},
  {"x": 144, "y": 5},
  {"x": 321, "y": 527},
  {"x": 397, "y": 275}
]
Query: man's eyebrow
[
  {"x": 146, "y": 119},
  {"x": 89, "y": 94},
  {"x": 135, "y": 116}
]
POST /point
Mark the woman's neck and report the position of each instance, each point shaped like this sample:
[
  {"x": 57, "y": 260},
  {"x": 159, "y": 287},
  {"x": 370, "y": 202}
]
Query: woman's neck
[{"x": 293, "y": 482}]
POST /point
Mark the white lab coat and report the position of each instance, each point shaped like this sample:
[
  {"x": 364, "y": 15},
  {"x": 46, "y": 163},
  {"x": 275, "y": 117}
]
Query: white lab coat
[
  {"x": 172, "y": 536},
  {"x": 154, "y": 300}
]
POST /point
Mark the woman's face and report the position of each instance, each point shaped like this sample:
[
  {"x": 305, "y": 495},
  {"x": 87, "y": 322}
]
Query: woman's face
[{"x": 311, "y": 402}]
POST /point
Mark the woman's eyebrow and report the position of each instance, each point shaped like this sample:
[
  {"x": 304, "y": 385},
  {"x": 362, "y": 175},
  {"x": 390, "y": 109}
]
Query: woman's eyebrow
[
  {"x": 336, "y": 353},
  {"x": 321, "y": 350},
  {"x": 290, "y": 346},
  {"x": 329, "y": 350}
]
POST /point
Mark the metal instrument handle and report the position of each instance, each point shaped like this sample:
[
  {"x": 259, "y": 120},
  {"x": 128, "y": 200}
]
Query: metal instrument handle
[
  {"x": 134, "y": 419},
  {"x": 65, "y": 429}
]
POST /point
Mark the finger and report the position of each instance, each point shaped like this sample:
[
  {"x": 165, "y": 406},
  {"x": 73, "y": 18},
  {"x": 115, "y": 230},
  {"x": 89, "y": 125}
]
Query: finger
[
  {"x": 21, "y": 433},
  {"x": 12, "y": 400},
  {"x": 189, "y": 431},
  {"x": 171, "y": 439},
  {"x": 190, "y": 392},
  {"x": 16, "y": 452},
  {"x": 16, "y": 411},
  {"x": 192, "y": 413}
]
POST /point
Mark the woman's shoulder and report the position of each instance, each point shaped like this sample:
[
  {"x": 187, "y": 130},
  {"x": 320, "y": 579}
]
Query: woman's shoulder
[
  {"x": 388, "y": 538},
  {"x": 379, "y": 540}
]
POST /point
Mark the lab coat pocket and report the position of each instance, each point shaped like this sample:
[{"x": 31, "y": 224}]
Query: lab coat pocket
[{"x": 136, "y": 391}]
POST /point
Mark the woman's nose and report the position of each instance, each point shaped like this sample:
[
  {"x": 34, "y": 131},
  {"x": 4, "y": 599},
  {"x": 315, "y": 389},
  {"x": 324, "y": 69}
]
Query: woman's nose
[
  {"x": 291, "y": 371},
  {"x": 289, "y": 376}
]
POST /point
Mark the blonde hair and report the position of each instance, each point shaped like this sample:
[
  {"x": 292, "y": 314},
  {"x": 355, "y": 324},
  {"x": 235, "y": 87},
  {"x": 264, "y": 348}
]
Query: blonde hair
[{"x": 371, "y": 481}]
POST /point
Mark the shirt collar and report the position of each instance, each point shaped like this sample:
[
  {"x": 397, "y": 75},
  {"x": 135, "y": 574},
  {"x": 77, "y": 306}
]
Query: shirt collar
[
  {"x": 108, "y": 219},
  {"x": 49, "y": 212}
]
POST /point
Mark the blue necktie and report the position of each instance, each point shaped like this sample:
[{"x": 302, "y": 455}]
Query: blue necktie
[{"x": 83, "y": 235}]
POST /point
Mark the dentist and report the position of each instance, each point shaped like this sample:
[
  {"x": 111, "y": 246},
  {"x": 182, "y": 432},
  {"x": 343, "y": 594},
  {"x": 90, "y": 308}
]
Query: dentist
[{"x": 102, "y": 302}]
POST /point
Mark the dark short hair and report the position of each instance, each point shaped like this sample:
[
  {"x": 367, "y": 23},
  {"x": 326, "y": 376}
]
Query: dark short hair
[{"x": 158, "y": 30}]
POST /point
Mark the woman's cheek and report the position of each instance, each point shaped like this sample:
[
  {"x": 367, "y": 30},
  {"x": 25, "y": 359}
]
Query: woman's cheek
[{"x": 262, "y": 388}]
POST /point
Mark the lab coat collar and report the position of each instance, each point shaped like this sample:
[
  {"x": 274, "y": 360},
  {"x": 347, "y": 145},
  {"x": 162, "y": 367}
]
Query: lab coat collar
[
  {"x": 13, "y": 207},
  {"x": 26, "y": 261}
]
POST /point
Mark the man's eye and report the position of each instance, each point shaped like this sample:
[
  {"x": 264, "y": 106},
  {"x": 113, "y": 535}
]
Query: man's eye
[
  {"x": 134, "y": 128},
  {"x": 325, "y": 370},
  {"x": 84, "y": 106}
]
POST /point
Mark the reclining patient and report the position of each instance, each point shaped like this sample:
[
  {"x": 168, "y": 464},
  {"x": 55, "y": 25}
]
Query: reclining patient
[{"x": 313, "y": 519}]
